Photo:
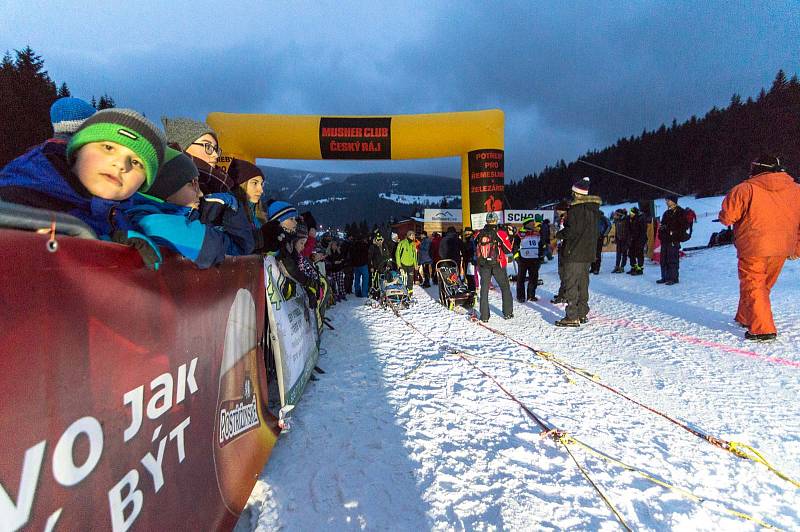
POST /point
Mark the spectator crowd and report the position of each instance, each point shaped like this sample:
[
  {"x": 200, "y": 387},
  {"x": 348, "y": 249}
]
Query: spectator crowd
[{"x": 149, "y": 187}]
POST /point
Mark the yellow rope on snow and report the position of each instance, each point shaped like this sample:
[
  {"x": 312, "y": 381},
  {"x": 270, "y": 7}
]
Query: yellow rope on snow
[
  {"x": 741, "y": 450},
  {"x": 566, "y": 439},
  {"x": 596, "y": 487}
]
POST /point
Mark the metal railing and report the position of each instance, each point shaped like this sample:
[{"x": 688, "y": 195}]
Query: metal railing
[{"x": 13, "y": 216}]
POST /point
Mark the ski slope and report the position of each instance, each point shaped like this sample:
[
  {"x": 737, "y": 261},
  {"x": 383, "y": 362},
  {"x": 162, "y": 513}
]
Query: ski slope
[{"x": 402, "y": 434}]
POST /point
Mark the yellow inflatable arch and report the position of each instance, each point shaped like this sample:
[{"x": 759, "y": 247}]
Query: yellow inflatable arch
[{"x": 475, "y": 136}]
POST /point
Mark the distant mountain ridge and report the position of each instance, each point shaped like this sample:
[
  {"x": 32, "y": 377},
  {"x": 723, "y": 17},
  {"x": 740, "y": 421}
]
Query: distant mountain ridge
[{"x": 337, "y": 199}]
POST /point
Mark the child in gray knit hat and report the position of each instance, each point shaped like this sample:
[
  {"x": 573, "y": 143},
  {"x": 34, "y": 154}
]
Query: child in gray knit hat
[
  {"x": 200, "y": 142},
  {"x": 195, "y": 138}
]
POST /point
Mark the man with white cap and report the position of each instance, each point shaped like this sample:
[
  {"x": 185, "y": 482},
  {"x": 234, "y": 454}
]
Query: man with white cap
[{"x": 579, "y": 250}]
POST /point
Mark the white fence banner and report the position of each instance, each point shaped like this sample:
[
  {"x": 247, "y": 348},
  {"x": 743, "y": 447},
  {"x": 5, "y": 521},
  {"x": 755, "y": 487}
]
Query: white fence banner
[
  {"x": 293, "y": 333},
  {"x": 443, "y": 215},
  {"x": 516, "y": 216}
]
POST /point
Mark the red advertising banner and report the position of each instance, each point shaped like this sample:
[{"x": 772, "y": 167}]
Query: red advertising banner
[
  {"x": 131, "y": 399},
  {"x": 355, "y": 137},
  {"x": 486, "y": 181}
]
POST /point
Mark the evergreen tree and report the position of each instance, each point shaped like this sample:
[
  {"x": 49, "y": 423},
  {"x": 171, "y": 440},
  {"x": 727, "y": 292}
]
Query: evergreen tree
[
  {"x": 704, "y": 156},
  {"x": 105, "y": 102},
  {"x": 779, "y": 82},
  {"x": 63, "y": 91},
  {"x": 27, "y": 92}
]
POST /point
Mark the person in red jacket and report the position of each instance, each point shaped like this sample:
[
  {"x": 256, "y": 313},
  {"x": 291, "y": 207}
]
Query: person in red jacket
[
  {"x": 765, "y": 214},
  {"x": 491, "y": 246}
]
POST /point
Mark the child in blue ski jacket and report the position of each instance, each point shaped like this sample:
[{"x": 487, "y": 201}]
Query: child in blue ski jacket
[
  {"x": 113, "y": 154},
  {"x": 175, "y": 213}
]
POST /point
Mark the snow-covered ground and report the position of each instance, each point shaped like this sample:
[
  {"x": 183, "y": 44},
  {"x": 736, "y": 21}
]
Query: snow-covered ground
[
  {"x": 421, "y": 200},
  {"x": 400, "y": 434},
  {"x": 322, "y": 200}
]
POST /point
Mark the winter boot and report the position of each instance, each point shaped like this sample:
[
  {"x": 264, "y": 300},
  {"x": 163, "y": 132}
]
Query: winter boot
[
  {"x": 564, "y": 322},
  {"x": 766, "y": 337}
]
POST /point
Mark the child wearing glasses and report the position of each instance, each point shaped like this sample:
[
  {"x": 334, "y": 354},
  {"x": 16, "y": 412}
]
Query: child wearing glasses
[{"x": 199, "y": 141}]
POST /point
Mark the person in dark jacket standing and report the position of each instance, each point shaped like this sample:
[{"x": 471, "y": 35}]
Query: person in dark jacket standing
[
  {"x": 671, "y": 231},
  {"x": 468, "y": 257},
  {"x": 560, "y": 298},
  {"x": 436, "y": 239},
  {"x": 603, "y": 228},
  {"x": 638, "y": 241},
  {"x": 450, "y": 246},
  {"x": 347, "y": 246},
  {"x": 391, "y": 244},
  {"x": 359, "y": 254},
  {"x": 579, "y": 237},
  {"x": 425, "y": 260},
  {"x": 528, "y": 252},
  {"x": 622, "y": 237},
  {"x": 544, "y": 232}
]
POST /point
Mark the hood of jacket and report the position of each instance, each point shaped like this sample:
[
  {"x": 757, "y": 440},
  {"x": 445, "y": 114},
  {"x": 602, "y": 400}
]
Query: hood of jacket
[
  {"x": 772, "y": 181},
  {"x": 577, "y": 200}
]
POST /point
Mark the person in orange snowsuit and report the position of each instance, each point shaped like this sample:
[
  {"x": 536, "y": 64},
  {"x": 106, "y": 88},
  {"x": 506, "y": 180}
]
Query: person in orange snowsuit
[{"x": 765, "y": 213}]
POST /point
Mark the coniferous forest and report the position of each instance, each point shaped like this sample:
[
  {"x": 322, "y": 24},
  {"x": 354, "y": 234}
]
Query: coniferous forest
[
  {"x": 703, "y": 156},
  {"x": 26, "y": 93}
]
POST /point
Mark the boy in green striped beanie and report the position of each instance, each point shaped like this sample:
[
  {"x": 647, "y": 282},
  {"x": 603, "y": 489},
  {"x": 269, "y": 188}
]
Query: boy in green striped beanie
[
  {"x": 113, "y": 154},
  {"x": 116, "y": 152}
]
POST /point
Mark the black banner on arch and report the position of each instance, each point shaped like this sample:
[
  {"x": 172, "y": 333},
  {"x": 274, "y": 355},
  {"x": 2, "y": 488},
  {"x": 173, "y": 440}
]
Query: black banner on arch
[
  {"x": 486, "y": 181},
  {"x": 355, "y": 138}
]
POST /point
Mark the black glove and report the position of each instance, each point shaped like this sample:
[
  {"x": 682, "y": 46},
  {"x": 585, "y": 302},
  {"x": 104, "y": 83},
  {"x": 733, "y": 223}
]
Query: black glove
[{"x": 146, "y": 247}]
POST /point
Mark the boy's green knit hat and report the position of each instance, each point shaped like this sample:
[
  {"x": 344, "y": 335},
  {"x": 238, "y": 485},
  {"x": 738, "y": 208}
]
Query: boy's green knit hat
[{"x": 128, "y": 128}]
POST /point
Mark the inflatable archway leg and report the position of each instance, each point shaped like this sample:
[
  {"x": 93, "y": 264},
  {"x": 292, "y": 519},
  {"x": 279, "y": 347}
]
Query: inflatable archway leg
[{"x": 466, "y": 219}]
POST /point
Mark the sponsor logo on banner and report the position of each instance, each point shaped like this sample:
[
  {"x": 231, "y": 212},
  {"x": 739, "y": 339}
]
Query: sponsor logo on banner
[
  {"x": 237, "y": 414},
  {"x": 486, "y": 180},
  {"x": 443, "y": 215},
  {"x": 516, "y": 216},
  {"x": 134, "y": 442},
  {"x": 355, "y": 137}
]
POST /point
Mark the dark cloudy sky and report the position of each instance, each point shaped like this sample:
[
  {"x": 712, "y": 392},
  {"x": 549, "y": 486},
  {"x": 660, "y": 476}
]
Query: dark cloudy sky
[{"x": 570, "y": 76}]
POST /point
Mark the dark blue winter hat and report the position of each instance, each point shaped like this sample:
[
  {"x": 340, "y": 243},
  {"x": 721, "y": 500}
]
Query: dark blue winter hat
[
  {"x": 281, "y": 211},
  {"x": 67, "y": 114}
]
